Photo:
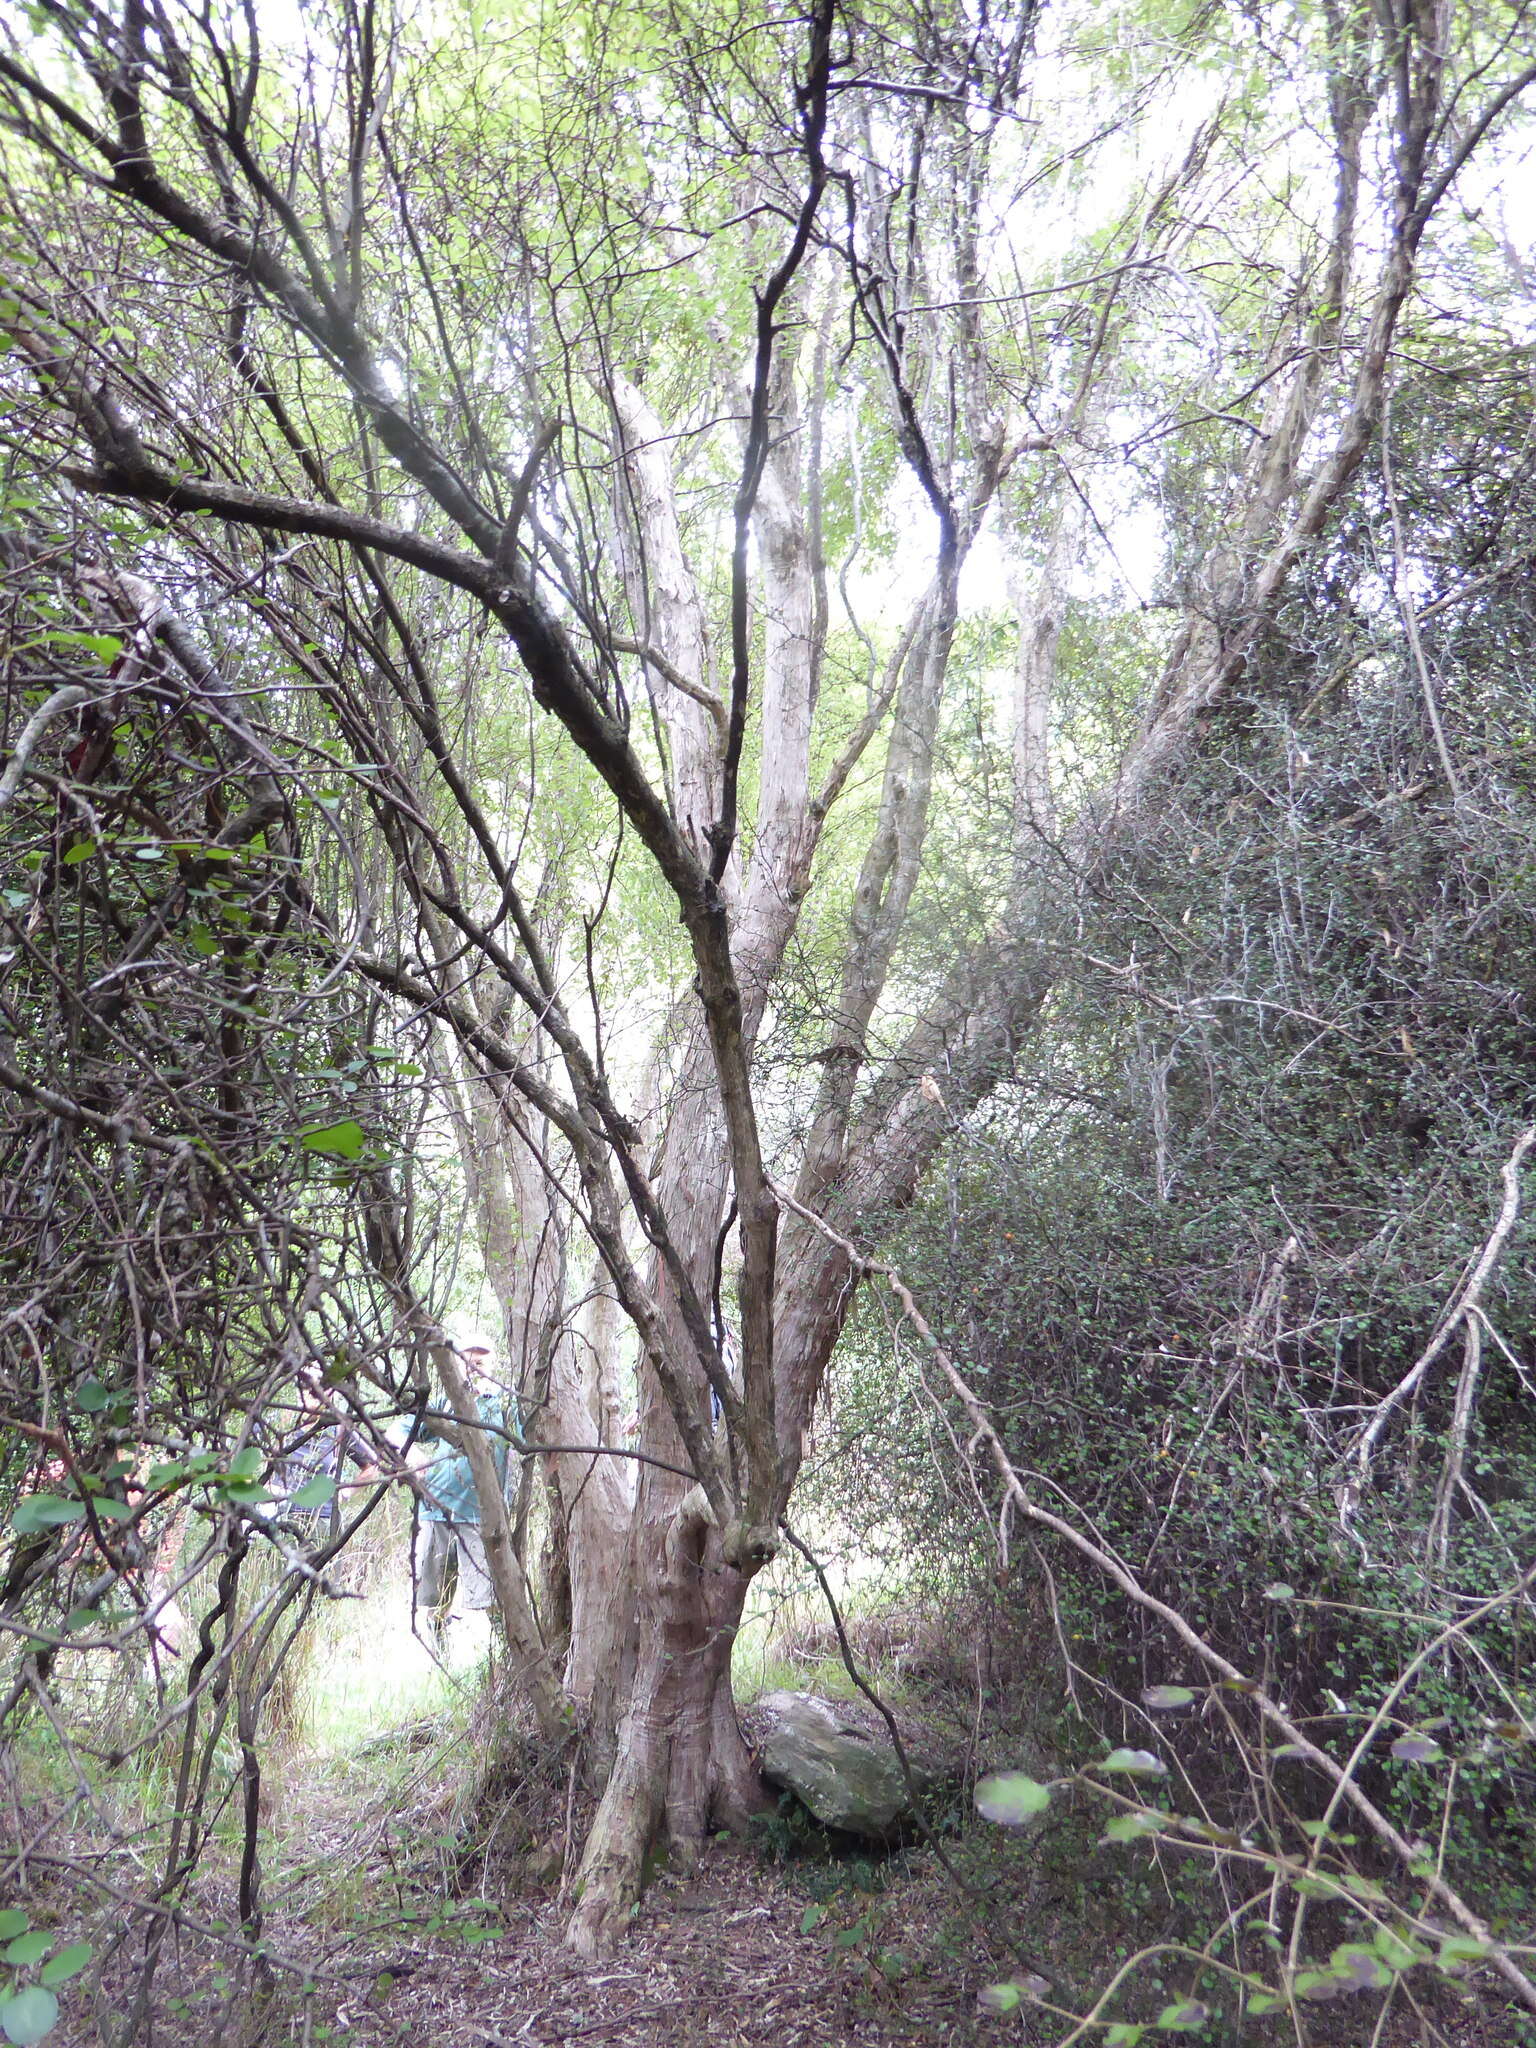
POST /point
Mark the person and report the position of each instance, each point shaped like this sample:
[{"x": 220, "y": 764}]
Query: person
[
  {"x": 328, "y": 1443},
  {"x": 448, "y": 1536},
  {"x": 157, "y": 1571}
]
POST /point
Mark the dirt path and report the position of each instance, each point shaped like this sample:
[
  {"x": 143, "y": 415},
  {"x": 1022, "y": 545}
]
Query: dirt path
[{"x": 727, "y": 1961}]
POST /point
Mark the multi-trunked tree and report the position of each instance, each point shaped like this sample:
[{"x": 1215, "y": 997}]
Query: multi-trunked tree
[{"x": 554, "y": 406}]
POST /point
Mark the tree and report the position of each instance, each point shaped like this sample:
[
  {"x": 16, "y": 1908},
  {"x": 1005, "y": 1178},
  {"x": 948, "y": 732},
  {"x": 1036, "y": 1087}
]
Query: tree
[{"x": 563, "y": 560}]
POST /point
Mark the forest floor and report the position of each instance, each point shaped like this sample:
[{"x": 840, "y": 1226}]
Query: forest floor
[
  {"x": 416, "y": 1896},
  {"x": 383, "y": 1943},
  {"x": 371, "y": 1954},
  {"x": 725, "y": 1960}
]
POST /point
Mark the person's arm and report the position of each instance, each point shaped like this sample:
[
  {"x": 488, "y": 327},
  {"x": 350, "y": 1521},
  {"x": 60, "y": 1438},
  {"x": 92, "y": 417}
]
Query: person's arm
[{"x": 353, "y": 1446}]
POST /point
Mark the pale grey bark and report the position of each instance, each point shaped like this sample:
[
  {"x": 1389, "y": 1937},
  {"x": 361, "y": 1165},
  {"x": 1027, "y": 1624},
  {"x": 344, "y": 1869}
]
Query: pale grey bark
[{"x": 673, "y": 1553}]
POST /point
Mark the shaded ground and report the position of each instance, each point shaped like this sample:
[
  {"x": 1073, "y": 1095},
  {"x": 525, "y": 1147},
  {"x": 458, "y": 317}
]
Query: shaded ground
[
  {"x": 728, "y": 1961},
  {"x": 414, "y": 1896},
  {"x": 722, "y": 1961},
  {"x": 737, "y": 1958}
]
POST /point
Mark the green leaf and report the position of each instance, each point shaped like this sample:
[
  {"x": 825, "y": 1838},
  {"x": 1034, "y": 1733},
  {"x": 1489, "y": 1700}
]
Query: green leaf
[
  {"x": 69, "y": 1962},
  {"x": 1166, "y": 1699},
  {"x": 1359, "y": 1968},
  {"x": 203, "y": 941},
  {"x": 1457, "y": 1949},
  {"x": 1187, "y": 2017},
  {"x": 93, "y": 1396},
  {"x": 13, "y": 1922},
  {"x": 112, "y": 1510},
  {"x": 181, "y": 1468},
  {"x": 245, "y": 1464},
  {"x": 1415, "y": 1747},
  {"x": 812, "y": 1918},
  {"x": 340, "y": 1141},
  {"x": 1263, "y": 2001},
  {"x": 314, "y": 1493},
  {"x": 1123, "y": 2034},
  {"x": 1136, "y": 1763},
  {"x": 44, "y": 1511},
  {"x": 1130, "y": 1827},
  {"x": 1010, "y": 1798},
  {"x": 1280, "y": 1591},
  {"x": 1396, "y": 1952},
  {"x": 28, "y": 1948},
  {"x": 999, "y": 1998},
  {"x": 27, "y": 2017},
  {"x": 73, "y": 855}
]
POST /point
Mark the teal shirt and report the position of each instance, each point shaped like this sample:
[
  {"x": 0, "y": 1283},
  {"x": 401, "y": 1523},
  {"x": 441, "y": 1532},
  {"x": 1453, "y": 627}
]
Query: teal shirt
[{"x": 454, "y": 1498}]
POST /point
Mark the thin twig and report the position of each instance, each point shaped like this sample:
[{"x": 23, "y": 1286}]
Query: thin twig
[{"x": 1463, "y": 1305}]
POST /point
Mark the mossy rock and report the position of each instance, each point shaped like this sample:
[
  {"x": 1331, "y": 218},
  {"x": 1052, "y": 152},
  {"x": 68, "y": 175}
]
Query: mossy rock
[{"x": 837, "y": 1757}]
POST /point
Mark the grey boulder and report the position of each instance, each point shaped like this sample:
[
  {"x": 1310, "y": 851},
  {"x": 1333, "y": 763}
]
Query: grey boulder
[{"x": 837, "y": 1757}]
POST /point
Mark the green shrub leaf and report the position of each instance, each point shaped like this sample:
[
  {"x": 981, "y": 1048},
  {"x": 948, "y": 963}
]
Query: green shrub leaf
[
  {"x": 1395, "y": 1952},
  {"x": 999, "y": 1998},
  {"x": 44, "y": 1511},
  {"x": 1137, "y": 1763},
  {"x": 1187, "y": 2017},
  {"x": 1167, "y": 1699},
  {"x": 1130, "y": 1827},
  {"x": 1010, "y": 1798},
  {"x": 69, "y": 1962},
  {"x": 1359, "y": 1968},
  {"x": 28, "y": 2016},
  {"x": 1457, "y": 1949},
  {"x": 1415, "y": 1747},
  {"x": 339, "y": 1141}
]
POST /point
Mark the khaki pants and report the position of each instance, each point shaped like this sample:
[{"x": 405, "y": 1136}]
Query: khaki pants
[{"x": 438, "y": 1544}]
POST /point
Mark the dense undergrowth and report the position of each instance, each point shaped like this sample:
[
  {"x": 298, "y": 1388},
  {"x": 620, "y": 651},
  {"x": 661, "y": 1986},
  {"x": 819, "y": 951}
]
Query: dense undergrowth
[{"x": 1241, "y": 1264}]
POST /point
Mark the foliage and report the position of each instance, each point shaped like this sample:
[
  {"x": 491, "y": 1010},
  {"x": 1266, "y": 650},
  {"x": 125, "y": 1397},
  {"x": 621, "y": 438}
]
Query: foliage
[
  {"x": 28, "y": 2007},
  {"x": 573, "y": 678},
  {"x": 1230, "y": 1199}
]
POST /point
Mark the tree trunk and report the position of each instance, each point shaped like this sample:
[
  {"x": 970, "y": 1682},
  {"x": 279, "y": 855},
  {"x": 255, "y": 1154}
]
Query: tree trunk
[{"x": 680, "y": 1766}]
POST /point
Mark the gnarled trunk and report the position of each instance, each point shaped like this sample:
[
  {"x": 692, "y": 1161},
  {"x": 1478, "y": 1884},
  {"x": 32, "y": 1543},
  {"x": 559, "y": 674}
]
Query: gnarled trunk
[{"x": 681, "y": 1767}]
